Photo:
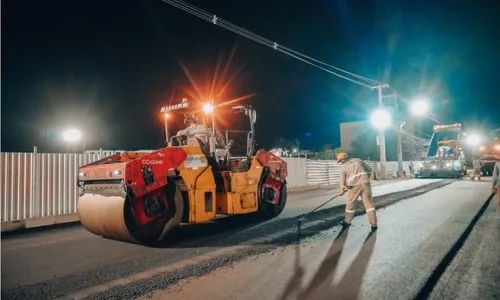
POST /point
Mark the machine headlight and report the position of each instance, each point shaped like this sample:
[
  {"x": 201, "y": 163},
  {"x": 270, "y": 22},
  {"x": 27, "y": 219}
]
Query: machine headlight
[
  {"x": 115, "y": 173},
  {"x": 82, "y": 175}
]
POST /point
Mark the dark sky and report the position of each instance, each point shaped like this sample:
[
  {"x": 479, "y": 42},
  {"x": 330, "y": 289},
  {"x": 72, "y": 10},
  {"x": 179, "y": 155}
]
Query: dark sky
[{"x": 107, "y": 67}]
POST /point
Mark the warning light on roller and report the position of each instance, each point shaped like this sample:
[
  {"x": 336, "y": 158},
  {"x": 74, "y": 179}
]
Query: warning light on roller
[{"x": 208, "y": 108}]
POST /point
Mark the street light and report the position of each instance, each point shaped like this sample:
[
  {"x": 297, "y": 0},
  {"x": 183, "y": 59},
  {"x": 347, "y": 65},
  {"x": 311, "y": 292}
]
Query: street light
[
  {"x": 208, "y": 108},
  {"x": 381, "y": 118},
  {"x": 420, "y": 107},
  {"x": 473, "y": 140},
  {"x": 72, "y": 135}
]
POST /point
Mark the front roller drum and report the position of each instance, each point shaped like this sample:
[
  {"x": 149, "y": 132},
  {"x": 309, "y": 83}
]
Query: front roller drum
[{"x": 123, "y": 218}]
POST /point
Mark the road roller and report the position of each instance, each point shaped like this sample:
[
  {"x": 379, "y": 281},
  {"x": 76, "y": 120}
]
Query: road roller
[{"x": 201, "y": 174}]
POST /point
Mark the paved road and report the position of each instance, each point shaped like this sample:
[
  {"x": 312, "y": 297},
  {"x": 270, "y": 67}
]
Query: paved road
[
  {"x": 396, "y": 262},
  {"x": 70, "y": 263}
]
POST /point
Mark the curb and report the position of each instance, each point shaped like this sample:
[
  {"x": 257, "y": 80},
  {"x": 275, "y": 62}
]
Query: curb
[{"x": 38, "y": 222}]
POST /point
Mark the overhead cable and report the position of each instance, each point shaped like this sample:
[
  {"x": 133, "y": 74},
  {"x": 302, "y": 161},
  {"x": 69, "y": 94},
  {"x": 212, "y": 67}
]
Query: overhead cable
[{"x": 369, "y": 83}]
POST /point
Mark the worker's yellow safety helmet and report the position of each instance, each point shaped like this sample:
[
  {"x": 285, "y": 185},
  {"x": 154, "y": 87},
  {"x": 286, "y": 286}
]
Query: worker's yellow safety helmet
[{"x": 341, "y": 156}]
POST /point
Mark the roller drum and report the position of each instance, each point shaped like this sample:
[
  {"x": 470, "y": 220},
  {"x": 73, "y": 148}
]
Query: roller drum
[
  {"x": 104, "y": 216},
  {"x": 111, "y": 217}
]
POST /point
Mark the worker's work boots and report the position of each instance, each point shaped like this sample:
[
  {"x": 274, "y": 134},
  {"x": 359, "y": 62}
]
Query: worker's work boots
[{"x": 344, "y": 224}]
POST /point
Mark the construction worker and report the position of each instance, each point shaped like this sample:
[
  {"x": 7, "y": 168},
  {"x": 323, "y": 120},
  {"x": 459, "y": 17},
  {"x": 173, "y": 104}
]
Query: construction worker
[
  {"x": 355, "y": 180},
  {"x": 495, "y": 181},
  {"x": 477, "y": 164},
  {"x": 411, "y": 169},
  {"x": 194, "y": 129}
]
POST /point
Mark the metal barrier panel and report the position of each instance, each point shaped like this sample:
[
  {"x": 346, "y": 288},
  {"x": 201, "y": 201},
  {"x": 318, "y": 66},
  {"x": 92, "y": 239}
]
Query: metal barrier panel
[
  {"x": 56, "y": 176},
  {"x": 391, "y": 168},
  {"x": 322, "y": 172},
  {"x": 15, "y": 185},
  {"x": 39, "y": 184},
  {"x": 297, "y": 170}
]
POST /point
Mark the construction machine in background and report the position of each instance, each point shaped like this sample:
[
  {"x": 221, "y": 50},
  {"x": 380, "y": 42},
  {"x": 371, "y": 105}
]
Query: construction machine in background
[
  {"x": 142, "y": 196},
  {"x": 489, "y": 154},
  {"x": 445, "y": 156}
]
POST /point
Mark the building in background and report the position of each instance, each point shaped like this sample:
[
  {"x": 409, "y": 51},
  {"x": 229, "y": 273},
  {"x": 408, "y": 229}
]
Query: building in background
[{"x": 349, "y": 132}]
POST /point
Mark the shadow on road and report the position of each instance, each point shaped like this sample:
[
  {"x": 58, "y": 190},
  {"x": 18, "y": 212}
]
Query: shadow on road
[
  {"x": 242, "y": 229},
  {"x": 321, "y": 285},
  {"x": 198, "y": 235}
]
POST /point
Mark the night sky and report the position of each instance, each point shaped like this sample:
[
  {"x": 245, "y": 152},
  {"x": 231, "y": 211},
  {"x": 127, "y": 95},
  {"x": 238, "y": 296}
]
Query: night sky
[{"x": 106, "y": 67}]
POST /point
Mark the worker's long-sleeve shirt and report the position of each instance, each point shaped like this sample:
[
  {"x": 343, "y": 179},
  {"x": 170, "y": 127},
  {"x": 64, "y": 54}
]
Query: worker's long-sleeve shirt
[
  {"x": 496, "y": 175},
  {"x": 354, "y": 172},
  {"x": 477, "y": 164},
  {"x": 196, "y": 130}
]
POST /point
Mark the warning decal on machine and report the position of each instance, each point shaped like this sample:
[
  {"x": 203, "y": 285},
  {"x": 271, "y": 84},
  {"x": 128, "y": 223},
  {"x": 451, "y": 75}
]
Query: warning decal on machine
[{"x": 195, "y": 162}]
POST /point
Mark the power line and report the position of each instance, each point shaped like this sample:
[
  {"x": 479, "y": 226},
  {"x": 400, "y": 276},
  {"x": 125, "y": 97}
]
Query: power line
[{"x": 368, "y": 83}]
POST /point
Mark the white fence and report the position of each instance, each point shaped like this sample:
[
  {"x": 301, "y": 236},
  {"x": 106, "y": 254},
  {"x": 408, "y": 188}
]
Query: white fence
[
  {"x": 327, "y": 172},
  {"x": 37, "y": 185}
]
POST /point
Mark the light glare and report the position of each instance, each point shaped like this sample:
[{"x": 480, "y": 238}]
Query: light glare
[
  {"x": 72, "y": 135},
  {"x": 473, "y": 139},
  {"x": 420, "y": 107},
  {"x": 208, "y": 108},
  {"x": 381, "y": 118}
]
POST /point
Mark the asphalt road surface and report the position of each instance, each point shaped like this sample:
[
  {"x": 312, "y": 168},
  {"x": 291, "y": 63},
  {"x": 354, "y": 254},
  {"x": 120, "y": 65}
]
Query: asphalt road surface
[{"x": 241, "y": 258}]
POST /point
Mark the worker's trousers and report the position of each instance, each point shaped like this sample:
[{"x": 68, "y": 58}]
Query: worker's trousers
[
  {"x": 477, "y": 173},
  {"x": 365, "y": 191}
]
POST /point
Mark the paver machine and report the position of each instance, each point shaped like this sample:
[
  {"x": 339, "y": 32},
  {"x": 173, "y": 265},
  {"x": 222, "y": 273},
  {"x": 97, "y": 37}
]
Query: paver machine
[
  {"x": 141, "y": 196},
  {"x": 445, "y": 156}
]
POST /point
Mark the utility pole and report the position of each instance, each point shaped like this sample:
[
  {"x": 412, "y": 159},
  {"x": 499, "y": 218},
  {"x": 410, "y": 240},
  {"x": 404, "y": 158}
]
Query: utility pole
[
  {"x": 401, "y": 123},
  {"x": 381, "y": 135},
  {"x": 400, "y": 148}
]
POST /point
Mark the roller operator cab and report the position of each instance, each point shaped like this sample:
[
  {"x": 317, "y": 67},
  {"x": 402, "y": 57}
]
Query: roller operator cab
[{"x": 202, "y": 173}]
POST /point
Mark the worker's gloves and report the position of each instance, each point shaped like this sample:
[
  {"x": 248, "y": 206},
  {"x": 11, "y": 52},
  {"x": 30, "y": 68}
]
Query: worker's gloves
[{"x": 342, "y": 191}]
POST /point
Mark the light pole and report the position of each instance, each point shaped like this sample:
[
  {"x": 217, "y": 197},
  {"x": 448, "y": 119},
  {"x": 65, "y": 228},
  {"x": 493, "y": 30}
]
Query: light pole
[
  {"x": 166, "y": 127},
  {"x": 208, "y": 108},
  {"x": 419, "y": 107},
  {"x": 71, "y": 136},
  {"x": 381, "y": 133},
  {"x": 381, "y": 119}
]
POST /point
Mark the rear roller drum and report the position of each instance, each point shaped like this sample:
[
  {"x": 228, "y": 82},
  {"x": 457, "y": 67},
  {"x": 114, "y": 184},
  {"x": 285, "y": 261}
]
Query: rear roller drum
[
  {"x": 150, "y": 219},
  {"x": 269, "y": 192}
]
